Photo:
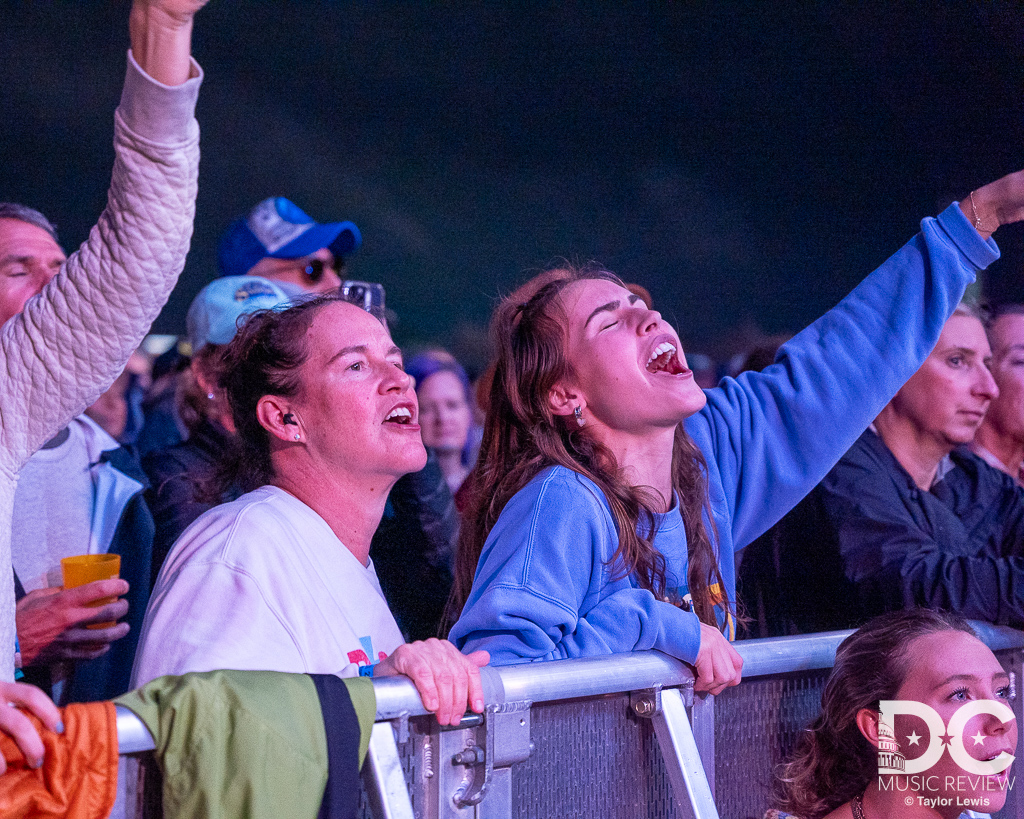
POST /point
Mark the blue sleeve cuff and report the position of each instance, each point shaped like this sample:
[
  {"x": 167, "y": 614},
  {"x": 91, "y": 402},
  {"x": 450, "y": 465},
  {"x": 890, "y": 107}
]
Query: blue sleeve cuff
[{"x": 981, "y": 252}]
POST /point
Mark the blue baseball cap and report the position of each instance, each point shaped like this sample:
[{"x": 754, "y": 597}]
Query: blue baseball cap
[
  {"x": 278, "y": 228},
  {"x": 213, "y": 315}
]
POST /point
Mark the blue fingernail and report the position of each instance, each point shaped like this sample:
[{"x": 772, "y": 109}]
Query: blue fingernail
[{"x": 59, "y": 727}]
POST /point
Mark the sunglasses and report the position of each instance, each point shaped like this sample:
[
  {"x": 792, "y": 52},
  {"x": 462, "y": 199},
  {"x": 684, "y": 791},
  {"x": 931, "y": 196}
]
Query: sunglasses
[{"x": 314, "y": 269}]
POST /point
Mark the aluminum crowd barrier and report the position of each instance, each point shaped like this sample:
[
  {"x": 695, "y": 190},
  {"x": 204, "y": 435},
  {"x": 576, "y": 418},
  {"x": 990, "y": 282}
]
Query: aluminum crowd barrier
[{"x": 605, "y": 737}]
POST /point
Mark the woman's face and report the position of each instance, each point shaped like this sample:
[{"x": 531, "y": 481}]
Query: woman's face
[
  {"x": 628, "y": 365},
  {"x": 947, "y": 670},
  {"x": 356, "y": 406},
  {"x": 445, "y": 414}
]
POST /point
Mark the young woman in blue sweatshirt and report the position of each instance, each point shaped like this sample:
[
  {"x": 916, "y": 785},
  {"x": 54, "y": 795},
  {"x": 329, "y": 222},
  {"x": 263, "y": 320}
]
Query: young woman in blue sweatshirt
[{"x": 612, "y": 492}]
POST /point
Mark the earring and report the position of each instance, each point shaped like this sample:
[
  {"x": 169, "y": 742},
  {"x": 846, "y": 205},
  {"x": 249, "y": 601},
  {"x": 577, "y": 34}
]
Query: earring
[
  {"x": 578, "y": 415},
  {"x": 210, "y": 396},
  {"x": 298, "y": 437}
]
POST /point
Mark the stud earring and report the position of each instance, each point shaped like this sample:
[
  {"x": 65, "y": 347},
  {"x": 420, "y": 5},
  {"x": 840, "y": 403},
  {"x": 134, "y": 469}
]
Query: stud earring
[
  {"x": 210, "y": 396},
  {"x": 298, "y": 437},
  {"x": 578, "y": 415}
]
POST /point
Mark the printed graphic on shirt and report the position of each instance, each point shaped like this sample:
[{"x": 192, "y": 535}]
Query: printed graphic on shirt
[
  {"x": 681, "y": 597},
  {"x": 361, "y": 656}
]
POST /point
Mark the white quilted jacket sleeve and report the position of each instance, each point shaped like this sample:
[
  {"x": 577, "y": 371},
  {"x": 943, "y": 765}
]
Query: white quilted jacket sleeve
[{"x": 73, "y": 339}]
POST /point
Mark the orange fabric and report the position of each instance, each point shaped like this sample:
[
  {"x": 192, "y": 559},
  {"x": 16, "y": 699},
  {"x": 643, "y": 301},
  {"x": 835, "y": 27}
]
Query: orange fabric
[{"x": 78, "y": 779}]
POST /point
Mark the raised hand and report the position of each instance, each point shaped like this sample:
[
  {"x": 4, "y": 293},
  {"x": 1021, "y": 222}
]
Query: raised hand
[
  {"x": 161, "y": 35},
  {"x": 997, "y": 203}
]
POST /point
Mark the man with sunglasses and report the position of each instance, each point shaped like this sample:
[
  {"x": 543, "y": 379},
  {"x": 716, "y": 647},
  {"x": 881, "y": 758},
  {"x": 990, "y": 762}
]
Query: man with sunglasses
[{"x": 279, "y": 241}]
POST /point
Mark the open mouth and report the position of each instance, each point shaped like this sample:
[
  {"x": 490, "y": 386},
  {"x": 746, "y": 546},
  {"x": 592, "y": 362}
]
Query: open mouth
[
  {"x": 399, "y": 415},
  {"x": 664, "y": 360}
]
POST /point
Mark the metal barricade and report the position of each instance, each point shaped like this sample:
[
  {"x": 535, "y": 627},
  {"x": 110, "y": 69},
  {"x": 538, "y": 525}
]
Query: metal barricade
[{"x": 605, "y": 737}]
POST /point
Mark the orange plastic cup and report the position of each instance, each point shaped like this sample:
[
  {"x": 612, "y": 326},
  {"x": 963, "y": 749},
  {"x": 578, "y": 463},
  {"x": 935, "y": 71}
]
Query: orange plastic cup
[{"x": 81, "y": 569}]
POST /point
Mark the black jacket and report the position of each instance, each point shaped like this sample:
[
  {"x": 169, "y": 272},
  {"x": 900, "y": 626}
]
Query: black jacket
[{"x": 868, "y": 540}]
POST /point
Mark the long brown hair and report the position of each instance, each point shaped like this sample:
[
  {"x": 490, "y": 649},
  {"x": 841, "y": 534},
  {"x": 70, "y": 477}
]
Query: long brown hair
[
  {"x": 833, "y": 761},
  {"x": 522, "y": 436}
]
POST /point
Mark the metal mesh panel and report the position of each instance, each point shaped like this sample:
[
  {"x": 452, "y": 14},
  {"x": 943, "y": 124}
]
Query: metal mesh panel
[
  {"x": 592, "y": 758},
  {"x": 756, "y": 725}
]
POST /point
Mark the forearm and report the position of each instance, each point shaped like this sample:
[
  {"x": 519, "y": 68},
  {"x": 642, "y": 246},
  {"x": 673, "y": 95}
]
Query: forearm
[
  {"x": 982, "y": 588},
  {"x": 524, "y": 627}
]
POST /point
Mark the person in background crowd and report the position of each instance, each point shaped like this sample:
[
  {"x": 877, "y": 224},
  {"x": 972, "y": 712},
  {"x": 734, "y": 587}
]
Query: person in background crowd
[
  {"x": 61, "y": 345},
  {"x": 612, "y": 492},
  {"x": 910, "y": 516},
  {"x": 915, "y": 655},
  {"x": 181, "y": 476},
  {"x": 446, "y": 413},
  {"x": 279, "y": 241},
  {"x": 276, "y": 240},
  {"x": 999, "y": 440},
  {"x": 160, "y": 426},
  {"x": 113, "y": 410},
  {"x": 414, "y": 546},
  {"x": 281, "y": 579}
]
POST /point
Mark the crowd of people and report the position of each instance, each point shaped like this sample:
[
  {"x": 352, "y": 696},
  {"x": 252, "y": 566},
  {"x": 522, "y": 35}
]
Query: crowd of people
[{"x": 310, "y": 502}]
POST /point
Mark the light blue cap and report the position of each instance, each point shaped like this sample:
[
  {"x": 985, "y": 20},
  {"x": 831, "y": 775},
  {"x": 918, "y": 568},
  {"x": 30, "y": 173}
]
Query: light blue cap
[{"x": 213, "y": 315}]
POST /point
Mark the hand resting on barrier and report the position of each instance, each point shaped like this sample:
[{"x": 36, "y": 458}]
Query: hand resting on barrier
[
  {"x": 14, "y": 697},
  {"x": 718, "y": 664},
  {"x": 447, "y": 680}
]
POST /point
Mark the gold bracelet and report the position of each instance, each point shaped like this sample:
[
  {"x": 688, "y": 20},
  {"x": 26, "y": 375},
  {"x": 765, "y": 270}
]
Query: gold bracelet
[{"x": 977, "y": 221}]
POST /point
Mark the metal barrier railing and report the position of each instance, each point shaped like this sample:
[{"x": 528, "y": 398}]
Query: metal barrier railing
[{"x": 467, "y": 771}]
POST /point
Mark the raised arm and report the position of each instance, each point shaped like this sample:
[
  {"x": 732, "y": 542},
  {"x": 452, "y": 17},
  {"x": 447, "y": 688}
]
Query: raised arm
[
  {"x": 71, "y": 341},
  {"x": 772, "y": 436},
  {"x": 996, "y": 204}
]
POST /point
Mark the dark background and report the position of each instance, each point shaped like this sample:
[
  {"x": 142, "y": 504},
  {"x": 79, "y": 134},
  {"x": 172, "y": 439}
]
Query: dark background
[{"x": 746, "y": 162}]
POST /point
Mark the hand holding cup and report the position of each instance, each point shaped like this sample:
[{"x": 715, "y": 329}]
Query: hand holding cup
[{"x": 81, "y": 569}]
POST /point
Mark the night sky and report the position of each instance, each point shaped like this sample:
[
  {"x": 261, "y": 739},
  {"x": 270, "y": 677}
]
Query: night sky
[{"x": 748, "y": 163}]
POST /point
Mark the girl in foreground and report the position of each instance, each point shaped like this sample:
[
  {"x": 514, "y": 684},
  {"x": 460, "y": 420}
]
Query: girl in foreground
[
  {"x": 612, "y": 492},
  {"x": 920, "y": 655}
]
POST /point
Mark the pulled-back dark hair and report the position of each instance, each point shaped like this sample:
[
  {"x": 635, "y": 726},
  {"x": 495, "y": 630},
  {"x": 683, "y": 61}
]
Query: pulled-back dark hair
[
  {"x": 263, "y": 359},
  {"x": 522, "y": 436},
  {"x": 833, "y": 761}
]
